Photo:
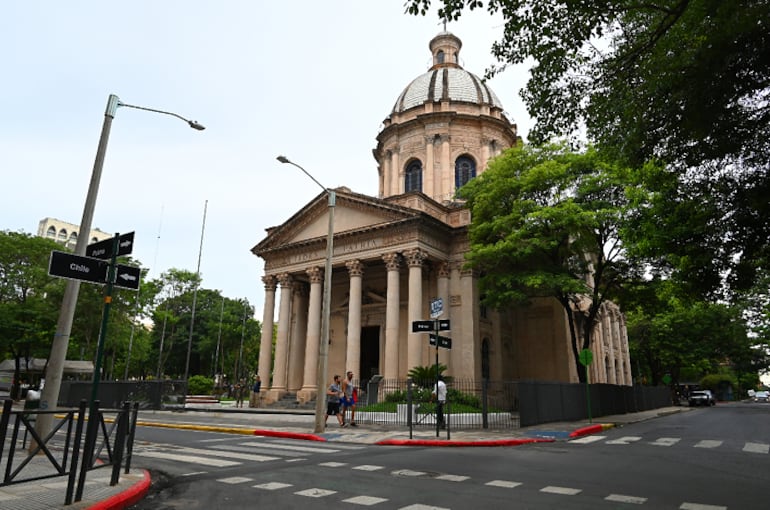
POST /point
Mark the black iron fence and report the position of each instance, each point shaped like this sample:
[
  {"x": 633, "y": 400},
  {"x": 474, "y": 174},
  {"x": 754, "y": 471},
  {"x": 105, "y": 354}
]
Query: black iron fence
[
  {"x": 499, "y": 404},
  {"x": 73, "y": 447},
  {"x": 156, "y": 394}
]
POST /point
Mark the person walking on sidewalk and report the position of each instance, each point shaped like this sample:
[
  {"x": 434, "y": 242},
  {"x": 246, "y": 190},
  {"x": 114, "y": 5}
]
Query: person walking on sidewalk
[
  {"x": 254, "y": 400},
  {"x": 439, "y": 393},
  {"x": 333, "y": 395},
  {"x": 349, "y": 399}
]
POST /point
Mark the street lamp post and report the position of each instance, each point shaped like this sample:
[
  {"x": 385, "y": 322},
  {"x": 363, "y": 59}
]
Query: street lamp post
[
  {"x": 323, "y": 347},
  {"x": 55, "y": 369}
]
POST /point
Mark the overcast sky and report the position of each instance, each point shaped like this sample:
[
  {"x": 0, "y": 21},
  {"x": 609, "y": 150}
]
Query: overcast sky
[{"x": 311, "y": 80}]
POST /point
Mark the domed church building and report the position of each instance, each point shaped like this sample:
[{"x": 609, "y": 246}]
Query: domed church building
[{"x": 395, "y": 254}]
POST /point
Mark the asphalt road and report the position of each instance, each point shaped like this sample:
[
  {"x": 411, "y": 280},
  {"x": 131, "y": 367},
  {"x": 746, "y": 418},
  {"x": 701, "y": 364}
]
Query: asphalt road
[{"x": 707, "y": 459}]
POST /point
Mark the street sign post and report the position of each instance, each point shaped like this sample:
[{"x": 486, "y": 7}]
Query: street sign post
[
  {"x": 76, "y": 267},
  {"x": 103, "y": 249}
]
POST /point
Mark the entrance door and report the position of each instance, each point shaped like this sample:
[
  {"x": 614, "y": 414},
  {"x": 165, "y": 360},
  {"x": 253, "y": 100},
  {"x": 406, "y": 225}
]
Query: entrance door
[{"x": 370, "y": 352}]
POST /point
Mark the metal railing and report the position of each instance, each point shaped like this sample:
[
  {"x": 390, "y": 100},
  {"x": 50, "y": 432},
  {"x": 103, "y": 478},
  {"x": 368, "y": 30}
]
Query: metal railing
[{"x": 77, "y": 443}]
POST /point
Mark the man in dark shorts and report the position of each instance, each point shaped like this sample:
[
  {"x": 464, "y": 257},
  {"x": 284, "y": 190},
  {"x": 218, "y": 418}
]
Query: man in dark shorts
[
  {"x": 349, "y": 399},
  {"x": 333, "y": 401}
]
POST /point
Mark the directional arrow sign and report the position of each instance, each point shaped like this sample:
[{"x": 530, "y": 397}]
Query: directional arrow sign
[
  {"x": 443, "y": 325},
  {"x": 127, "y": 276},
  {"x": 422, "y": 326},
  {"x": 76, "y": 267},
  {"x": 103, "y": 249},
  {"x": 443, "y": 341}
]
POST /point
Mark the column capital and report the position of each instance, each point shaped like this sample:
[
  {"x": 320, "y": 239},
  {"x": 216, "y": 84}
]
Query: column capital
[
  {"x": 269, "y": 281},
  {"x": 355, "y": 267},
  {"x": 415, "y": 257},
  {"x": 392, "y": 261},
  {"x": 285, "y": 280},
  {"x": 443, "y": 269},
  {"x": 316, "y": 274}
]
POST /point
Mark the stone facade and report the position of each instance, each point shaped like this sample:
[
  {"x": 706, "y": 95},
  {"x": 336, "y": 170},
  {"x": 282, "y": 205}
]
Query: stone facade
[
  {"x": 395, "y": 253},
  {"x": 66, "y": 233}
]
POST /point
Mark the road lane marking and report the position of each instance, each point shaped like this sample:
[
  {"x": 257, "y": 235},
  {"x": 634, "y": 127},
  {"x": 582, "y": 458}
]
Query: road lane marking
[
  {"x": 708, "y": 443},
  {"x": 364, "y": 500},
  {"x": 407, "y": 472},
  {"x": 272, "y": 486},
  {"x": 315, "y": 493},
  {"x": 503, "y": 483},
  {"x": 566, "y": 491},
  {"x": 368, "y": 467},
  {"x": 588, "y": 439},
  {"x": 696, "y": 506},
  {"x": 756, "y": 448},
  {"x": 190, "y": 459},
  {"x": 422, "y": 507},
  {"x": 235, "y": 479},
  {"x": 294, "y": 448},
  {"x": 333, "y": 464},
  {"x": 624, "y": 440},
  {"x": 453, "y": 478},
  {"x": 620, "y": 498},
  {"x": 666, "y": 441}
]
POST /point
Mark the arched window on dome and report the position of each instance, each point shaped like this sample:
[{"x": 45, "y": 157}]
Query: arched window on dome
[
  {"x": 465, "y": 170},
  {"x": 440, "y": 57},
  {"x": 51, "y": 232},
  {"x": 413, "y": 176},
  {"x": 73, "y": 238},
  {"x": 63, "y": 235}
]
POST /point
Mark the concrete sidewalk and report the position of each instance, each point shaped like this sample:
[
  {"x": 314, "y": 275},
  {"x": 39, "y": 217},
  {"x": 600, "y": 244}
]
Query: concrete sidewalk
[{"x": 99, "y": 495}]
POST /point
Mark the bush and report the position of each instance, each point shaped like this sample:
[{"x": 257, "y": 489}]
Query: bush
[{"x": 200, "y": 385}]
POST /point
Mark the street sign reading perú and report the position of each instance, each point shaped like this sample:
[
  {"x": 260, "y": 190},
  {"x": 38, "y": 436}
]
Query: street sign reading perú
[
  {"x": 422, "y": 326},
  {"x": 103, "y": 249},
  {"x": 76, "y": 267}
]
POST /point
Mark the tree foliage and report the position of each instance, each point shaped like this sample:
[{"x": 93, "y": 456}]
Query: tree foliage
[{"x": 545, "y": 223}]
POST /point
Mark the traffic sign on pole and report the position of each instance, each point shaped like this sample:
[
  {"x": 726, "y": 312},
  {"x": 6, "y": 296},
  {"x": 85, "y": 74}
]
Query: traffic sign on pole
[
  {"x": 76, "y": 267},
  {"x": 443, "y": 325},
  {"x": 436, "y": 308},
  {"x": 103, "y": 249},
  {"x": 443, "y": 341},
  {"x": 422, "y": 326},
  {"x": 127, "y": 277}
]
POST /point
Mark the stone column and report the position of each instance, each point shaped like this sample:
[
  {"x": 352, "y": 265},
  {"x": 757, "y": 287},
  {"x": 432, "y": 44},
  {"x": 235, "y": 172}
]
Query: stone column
[
  {"x": 430, "y": 177},
  {"x": 266, "y": 342},
  {"x": 313, "y": 339},
  {"x": 443, "y": 293},
  {"x": 392, "y": 264},
  {"x": 447, "y": 169},
  {"x": 395, "y": 174},
  {"x": 298, "y": 338},
  {"x": 353, "y": 356},
  {"x": 628, "y": 380},
  {"x": 416, "y": 342},
  {"x": 282, "y": 337}
]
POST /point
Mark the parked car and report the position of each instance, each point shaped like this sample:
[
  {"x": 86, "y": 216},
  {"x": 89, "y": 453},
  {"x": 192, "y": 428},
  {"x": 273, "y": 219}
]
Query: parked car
[
  {"x": 762, "y": 396},
  {"x": 702, "y": 398}
]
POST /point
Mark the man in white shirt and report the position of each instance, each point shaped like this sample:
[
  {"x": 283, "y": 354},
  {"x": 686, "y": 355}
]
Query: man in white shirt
[{"x": 439, "y": 393}]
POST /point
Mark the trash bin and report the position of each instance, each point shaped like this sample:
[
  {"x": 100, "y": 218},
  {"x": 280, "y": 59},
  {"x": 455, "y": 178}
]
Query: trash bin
[
  {"x": 372, "y": 389},
  {"x": 31, "y": 403}
]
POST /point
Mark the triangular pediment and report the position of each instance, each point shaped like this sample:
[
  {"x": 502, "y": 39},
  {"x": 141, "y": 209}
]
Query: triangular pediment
[{"x": 352, "y": 213}]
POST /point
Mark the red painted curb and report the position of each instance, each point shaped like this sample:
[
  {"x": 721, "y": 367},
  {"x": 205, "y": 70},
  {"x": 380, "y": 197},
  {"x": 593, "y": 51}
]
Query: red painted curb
[
  {"x": 127, "y": 498},
  {"x": 288, "y": 435},
  {"x": 584, "y": 431},
  {"x": 437, "y": 442}
]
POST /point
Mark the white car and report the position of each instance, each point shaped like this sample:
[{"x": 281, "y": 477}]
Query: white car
[
  {"x": 702, "y": 398},
  {"x": 762, "y": 396}
]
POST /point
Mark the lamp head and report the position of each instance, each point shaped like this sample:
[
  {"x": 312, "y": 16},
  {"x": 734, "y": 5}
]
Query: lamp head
[
  {"x": 194, "y": 124},
  {"x": 283, "y": 159}
]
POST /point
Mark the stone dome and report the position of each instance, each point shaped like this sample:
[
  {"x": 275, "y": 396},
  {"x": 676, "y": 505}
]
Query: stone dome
[{"x": 446, "y": 80}]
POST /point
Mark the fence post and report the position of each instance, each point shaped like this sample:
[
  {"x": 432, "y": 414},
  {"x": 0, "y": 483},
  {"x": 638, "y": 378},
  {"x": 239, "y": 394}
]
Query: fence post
[
  {"x": 7, "y": 406},
  {"x": 485, "y": 403},
  {"x": 131, "y": 434},
  {"x": 120, "y": 441},
  {"x": 75, "y": 453},
  {"x": 88, "y": 447},
  {"x": 409, "y": 405}
]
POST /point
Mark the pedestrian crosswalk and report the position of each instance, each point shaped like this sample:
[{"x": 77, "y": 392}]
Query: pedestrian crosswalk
[
  {"x": 236, "y": 453},
  {"x": 710, "y": 444}
]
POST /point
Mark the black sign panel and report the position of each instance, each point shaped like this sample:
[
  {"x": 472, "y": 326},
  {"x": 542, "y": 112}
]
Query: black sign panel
[
  {"x": 76, "y": 267},
  {"x": 443, "y": 325},
  {"x": 422, "y": 326},
  {"x": 103, "y": 249},
  {"x": 443, "y": 341},
  {"x": 127, "y": 277}
]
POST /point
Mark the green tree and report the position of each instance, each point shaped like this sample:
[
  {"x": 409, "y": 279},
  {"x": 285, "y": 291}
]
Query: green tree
[{"x": 545, "y": 223}]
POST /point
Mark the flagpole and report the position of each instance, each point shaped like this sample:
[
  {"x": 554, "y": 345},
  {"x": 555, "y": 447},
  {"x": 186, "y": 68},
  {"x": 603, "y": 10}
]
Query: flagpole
[{"x": 195, "y": 294}]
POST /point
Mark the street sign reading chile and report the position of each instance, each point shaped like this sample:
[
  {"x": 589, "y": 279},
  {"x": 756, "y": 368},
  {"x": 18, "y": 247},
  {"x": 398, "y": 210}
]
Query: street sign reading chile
[
  {"x": 76, "y": 267},
  {"x": 103, "y": 249}
]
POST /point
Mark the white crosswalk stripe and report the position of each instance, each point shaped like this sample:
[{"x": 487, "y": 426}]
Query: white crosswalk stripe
[
  {"x": 708, "y": 443},
  {"x": 587, "y": 439},
  {"x": 748, "y": 447},
  {"x": 756, "y": 448},
  {"x": 625, "y": 440},
  {"x": 666, "y": 441}
]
